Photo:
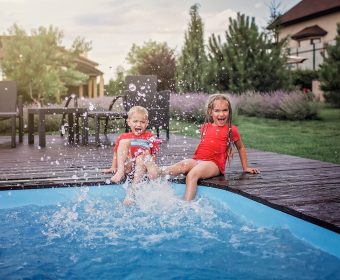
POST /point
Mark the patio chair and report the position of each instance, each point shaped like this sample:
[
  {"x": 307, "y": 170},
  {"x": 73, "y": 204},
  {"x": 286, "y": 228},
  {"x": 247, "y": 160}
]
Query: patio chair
[
  {"x": 106, "y": 115},
  {"x": 11, "y": 107},
  {"x": 64, "y": 123},
  {"x": 142, "y": 91}
]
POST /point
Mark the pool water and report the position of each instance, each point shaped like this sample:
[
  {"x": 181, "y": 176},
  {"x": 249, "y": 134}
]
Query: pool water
[{"x": 86, "y": 233}]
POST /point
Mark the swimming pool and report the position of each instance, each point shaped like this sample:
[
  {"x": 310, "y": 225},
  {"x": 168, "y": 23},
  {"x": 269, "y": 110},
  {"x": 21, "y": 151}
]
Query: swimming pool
[{"x": 85, "y": 233}]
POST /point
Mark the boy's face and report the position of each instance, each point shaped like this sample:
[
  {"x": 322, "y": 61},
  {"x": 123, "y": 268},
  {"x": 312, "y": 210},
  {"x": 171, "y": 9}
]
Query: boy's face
[{"x": 138, "y": 123}]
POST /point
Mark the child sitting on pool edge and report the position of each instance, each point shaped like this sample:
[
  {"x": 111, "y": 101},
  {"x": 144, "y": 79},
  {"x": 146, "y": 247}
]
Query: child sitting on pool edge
[
  {"x": 214, "y": 149},
  {"x": 134, "y": 152}
]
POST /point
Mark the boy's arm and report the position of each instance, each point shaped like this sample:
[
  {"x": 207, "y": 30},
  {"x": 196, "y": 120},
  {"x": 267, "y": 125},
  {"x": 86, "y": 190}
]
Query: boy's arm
[
  {"x": 243, "y": 157},
  {"x": 114, "y": 162},
  {"x": 113, "y": 167}
]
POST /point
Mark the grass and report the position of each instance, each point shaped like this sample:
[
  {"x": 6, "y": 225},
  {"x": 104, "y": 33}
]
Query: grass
[{"x": 313, "y": 139}]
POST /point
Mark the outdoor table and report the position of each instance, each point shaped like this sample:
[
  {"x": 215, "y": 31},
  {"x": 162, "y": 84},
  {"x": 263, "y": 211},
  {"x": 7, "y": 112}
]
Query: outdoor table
[
  {"x": 98, "y": 115},
  {"x": 73, "y": 121}
]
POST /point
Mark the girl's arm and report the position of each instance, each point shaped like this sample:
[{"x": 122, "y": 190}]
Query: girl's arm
[{"x": 243, "y": 157}]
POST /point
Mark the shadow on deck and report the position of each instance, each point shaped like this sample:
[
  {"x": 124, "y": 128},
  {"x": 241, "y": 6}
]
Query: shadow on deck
[{"x": 305, "y": 188}]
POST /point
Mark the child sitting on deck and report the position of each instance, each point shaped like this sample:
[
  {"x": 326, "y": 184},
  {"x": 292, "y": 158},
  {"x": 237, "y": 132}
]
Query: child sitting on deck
[
  {"x": 134, "y": 152},
  {"x": 215, "y": 148}
]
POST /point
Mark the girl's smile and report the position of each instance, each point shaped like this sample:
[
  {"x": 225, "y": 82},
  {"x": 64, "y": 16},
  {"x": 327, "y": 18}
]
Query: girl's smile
[{"x": 220, "y": 112}]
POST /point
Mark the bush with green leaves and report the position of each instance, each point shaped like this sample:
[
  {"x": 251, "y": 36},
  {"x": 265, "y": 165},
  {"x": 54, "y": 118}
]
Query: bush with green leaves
[{"x": 303, "y": 78}]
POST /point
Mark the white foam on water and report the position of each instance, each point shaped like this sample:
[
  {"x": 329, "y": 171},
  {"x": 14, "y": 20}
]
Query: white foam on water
[{"x": 158, "y": 214}]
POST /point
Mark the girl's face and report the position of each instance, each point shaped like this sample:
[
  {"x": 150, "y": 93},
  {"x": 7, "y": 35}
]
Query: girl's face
[
  {"x": 138, "y": 123},
  {"x": 220, "y": 112}
]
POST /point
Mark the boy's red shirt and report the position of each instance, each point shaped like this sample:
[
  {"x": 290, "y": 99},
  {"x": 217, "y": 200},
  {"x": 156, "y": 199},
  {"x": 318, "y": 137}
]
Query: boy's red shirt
[{"x": 137, "y": 146}]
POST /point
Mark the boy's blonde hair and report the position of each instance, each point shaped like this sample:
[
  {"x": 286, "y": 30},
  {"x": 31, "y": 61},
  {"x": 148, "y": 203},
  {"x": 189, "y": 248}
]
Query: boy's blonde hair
[{"x": 138, "y": 109}]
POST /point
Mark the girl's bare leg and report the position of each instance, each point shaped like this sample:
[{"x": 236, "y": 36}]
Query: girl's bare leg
[
  {"x": 202, "y": 170},
  {"x": 182, "y": 167},
  {"x": 123, "y": 153}
]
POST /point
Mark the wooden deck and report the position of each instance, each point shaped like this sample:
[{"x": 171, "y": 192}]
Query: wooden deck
[{"x": 308, "y": 189}]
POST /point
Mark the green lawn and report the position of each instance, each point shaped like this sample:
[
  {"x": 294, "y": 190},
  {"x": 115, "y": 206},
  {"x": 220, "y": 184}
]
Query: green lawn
[{"x": 314, "y": 139}]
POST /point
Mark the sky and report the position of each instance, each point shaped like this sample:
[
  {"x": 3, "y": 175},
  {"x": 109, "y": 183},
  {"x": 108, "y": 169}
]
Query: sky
[{"x": 112, "y": 26}]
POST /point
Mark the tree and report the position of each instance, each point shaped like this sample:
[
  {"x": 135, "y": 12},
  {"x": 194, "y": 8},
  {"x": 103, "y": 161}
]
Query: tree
[
  {"x": 274, "y": 23},
  {"x": 40, "y": 65},
  {"x": 154, "y": 59},
  {"x": 117, "y": 86},
  {"x": 248, "y": 60},
  {"x": 192, "y": 61},
  {"x": 330, "y": 71}
]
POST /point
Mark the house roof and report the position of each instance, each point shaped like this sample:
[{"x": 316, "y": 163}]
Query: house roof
[
  {"x": 310, "y": 31},
  {"x": 308, "y": 9},
  {"x": 87, "y": 66}
]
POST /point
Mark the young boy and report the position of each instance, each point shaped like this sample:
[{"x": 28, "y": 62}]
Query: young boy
[{"x": 134, "y": 152}]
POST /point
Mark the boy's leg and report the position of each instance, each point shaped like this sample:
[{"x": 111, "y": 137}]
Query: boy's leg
[
  {"x": 202, "y": 170},
  {"x": 151, "y": 166},
  {"x": 182, "y": 167},
  {"x": 123, "y": 153},
  {"x": 139, "y": 171}
]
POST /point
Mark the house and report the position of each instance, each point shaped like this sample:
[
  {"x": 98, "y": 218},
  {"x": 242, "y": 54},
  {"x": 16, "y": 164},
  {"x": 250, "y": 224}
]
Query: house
[
  {"x": 310, "y": 25},
  {"x": 95, "y": 83},
  {"x": 93, "y": 87}
]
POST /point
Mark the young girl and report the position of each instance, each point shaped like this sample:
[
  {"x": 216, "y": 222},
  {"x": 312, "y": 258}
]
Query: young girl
[{"x": 215, "y": 148}]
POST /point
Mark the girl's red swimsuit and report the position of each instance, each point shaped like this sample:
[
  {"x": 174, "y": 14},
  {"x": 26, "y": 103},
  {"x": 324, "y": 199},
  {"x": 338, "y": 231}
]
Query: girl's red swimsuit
[{"x": 214, "y": 144}]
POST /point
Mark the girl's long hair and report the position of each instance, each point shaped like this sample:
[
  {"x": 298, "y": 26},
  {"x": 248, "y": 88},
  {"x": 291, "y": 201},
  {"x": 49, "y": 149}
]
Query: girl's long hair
[{"x": 208, "y": 118}]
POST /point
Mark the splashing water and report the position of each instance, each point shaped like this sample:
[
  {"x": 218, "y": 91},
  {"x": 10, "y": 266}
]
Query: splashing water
[{"x": 132, "y": 87}]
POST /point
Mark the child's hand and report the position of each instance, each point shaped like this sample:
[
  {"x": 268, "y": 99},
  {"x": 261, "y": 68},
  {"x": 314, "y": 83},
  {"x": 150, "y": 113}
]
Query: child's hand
[
  {"x": 128, "y": 201},
  {"x": 252, "y": 170},
  {"x": 110, "y": 170}
]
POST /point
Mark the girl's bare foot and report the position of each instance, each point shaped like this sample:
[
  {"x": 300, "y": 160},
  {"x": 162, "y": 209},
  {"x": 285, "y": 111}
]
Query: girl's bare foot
[{"x": 117, "y": 177}]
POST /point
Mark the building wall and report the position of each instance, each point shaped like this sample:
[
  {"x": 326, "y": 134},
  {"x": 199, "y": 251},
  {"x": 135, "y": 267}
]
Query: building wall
[{"x": 327, "y": 22}]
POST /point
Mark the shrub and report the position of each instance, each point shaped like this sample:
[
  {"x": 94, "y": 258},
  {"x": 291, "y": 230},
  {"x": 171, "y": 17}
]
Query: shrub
[
  {"x": 278, "y": 105},
  {"x": 191, "y": 106},
  {"x": 303, "y": 79},
  {"x": 188, "y": 107}
]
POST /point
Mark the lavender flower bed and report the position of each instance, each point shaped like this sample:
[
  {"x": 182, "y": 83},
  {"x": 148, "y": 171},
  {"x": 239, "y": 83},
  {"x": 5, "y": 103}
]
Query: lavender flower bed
[
  {"x": 188, "y": 106},
  {"x": 278, "y": 105}
]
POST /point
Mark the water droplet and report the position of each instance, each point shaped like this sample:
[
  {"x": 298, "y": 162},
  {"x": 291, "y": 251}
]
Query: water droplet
[{"x": 132, "y": 87}]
